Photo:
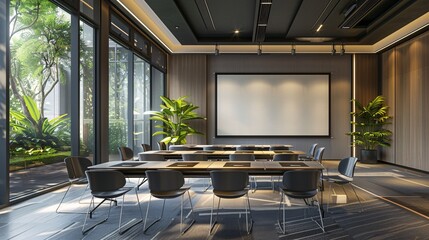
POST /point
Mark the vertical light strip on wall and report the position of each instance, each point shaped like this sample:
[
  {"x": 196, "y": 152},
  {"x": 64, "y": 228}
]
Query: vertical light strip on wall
[{"x": 354, "y": 97}]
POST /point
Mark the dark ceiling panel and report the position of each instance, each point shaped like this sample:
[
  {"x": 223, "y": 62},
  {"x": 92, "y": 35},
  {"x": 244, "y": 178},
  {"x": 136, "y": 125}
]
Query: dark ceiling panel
[{"x": 214, "y": 21}]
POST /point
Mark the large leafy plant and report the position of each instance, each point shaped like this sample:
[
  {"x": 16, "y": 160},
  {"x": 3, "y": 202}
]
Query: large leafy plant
[
  {"x": 369, "y": 124},
  {"x": 36, "y": 135},
  {"x": 173, "y": 120}
]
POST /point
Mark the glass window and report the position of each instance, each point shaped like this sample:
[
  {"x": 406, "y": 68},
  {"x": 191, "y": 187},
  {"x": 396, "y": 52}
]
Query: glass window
[
  {"x": 40, "y": 41},
  {"x": 87, "y": 76},
  {"x": 157, "y": 91},
  {"x": 118, "y": 98},
  {"x": 141, "y": 103}
]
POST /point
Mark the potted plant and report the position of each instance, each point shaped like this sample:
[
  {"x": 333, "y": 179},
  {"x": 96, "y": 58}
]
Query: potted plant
[
  {"x": 369, "y": 132},
  {"x": 174, "y": 116}
]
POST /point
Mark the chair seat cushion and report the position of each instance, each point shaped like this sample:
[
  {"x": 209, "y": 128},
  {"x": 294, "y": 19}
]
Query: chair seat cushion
[
  {"x": 112, "y": 194},
  {"x": 338, "y": 179},
  {"x": 169, "y": 194},
  {"x": 304, "y": 194},
  {"x": 230, "y": 194}
]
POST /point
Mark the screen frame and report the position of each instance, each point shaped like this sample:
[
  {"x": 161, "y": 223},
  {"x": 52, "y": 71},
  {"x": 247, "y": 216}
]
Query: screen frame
[{"x": 273, "y": 136}]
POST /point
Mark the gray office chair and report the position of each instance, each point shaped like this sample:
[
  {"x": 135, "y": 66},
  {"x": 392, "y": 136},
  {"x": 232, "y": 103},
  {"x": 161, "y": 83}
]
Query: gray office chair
[
  {"x": 285, "y": 157},
  {"x": 126, "y": 153},
  {"x": 278, "y": 147},
  {"x": 151, "y": 157},
  {"x": 242, "y": 157},
  {"x": 178, "y": 148},
  {"x": 167, "y": 184},
  {"x": 108, "y": 185},
  {"x": 162, "y": 146},
  {"x": 230, "y": 184},
  {"x": 346, "y": 170},
  {"x": 318, "y": 156},
  {"x": 76, "y": 167},
  {"x": 146, "y": 147},
  {"x": 194, "y": 157},
  {"x": 300, "y": 184},
  {"x": 246, "y": 147},
  {"x": 310, "y": 153},
  {"x": 213, "y": 147}
]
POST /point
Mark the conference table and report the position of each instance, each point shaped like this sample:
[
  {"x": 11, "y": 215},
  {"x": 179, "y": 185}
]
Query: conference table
[
  {"x": 229, "y": 147},
  {"x": 219, "y": 154},
  {"x": 203, "y": 168}
]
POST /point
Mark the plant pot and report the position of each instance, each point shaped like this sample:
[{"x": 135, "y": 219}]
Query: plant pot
[{"x": 368, "y": 156}]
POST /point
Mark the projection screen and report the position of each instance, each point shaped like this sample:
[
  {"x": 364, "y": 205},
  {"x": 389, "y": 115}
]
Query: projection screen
[{"x": 272, "y": 104}]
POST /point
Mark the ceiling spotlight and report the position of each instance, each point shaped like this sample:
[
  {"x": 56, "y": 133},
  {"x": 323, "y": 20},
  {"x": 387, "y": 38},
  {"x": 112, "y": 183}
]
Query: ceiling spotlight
[
  {"x": 236, "y": 31},
  {"x": 293, "y": 50},
  {"x": 319, "y": 28},
  {"x": 216, "y": 50},
  {"x": 342, "y": 51},
  {"x": 333, "y": 51}
]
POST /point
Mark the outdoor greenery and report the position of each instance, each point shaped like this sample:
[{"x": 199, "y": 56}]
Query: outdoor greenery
[
  {"x": 173, "y": 120},
  {"x": 369, "y": 124}
]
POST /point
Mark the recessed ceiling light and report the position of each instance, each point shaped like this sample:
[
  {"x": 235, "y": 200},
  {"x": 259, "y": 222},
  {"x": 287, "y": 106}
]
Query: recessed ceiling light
[
  {"x": 320, "y": 27},
  {"x": 236, "y": 31},
  {"x": 176, "y": 27}
]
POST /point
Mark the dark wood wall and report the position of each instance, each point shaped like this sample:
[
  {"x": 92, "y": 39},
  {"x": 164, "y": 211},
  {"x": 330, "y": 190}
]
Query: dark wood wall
[
  {"x": 366, "y": 77},
  {"x": 186, "y": 76},
  {"x": 405, "y": 71}
]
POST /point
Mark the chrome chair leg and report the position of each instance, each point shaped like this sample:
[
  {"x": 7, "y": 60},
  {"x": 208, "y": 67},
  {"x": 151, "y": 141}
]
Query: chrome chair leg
[
  {"x": 156, "y": 220},
  {"x": 321, "y": 225},
  {"x": 84, "y": 231},
  {"x": 213, "y": 223},
  {"x": 249, "y": 228},
  {"x": 282, "y": 225},
  {"x": 135, "y": 222}
]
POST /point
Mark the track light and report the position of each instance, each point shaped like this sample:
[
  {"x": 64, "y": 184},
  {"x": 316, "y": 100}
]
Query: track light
[
  {"x": 333, "y": 51},
  {"x": 293, "y": 50},
  {"x": 342, "y": 51},
  {"x": 216, "y": 50},
  {"x": 259, "y": 51}
]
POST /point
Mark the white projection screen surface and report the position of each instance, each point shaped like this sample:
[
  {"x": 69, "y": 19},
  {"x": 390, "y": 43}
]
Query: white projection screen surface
[{"x": 272, "y": 104}]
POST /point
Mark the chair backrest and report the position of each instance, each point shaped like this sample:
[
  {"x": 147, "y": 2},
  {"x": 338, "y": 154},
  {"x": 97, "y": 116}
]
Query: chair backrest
[
  {"x": 278, "y": 147},
  {"x": 105, "y": 180},
  {"x": 146, "y": 147},
  {"x": 76, "y": 166},
  {"x": 151, "y": 157},
  {"x": 318, "y": 156},
  {"x": 125, "y": 153},
  {"x": 347, "y": 166},
  {"x": 285, "y": 157},
  {"x": 178, "y": 148},
  {"x": 229, "y": 180},
  {"x": 194, "y": 157},
  {"x": 164, "y": 180},
  {"x": 312, "y": 150},
  {"x": 301, "y": 180},
  {"x": 241, "y": 157},
  {"x": 246, "y": 147},
  {"x": 213, "y": 147},
  {"x": 162, "y": 146}
]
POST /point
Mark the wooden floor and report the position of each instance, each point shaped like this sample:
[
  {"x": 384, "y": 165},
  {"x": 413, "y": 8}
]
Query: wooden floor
[{"x": 395, "y": 200}]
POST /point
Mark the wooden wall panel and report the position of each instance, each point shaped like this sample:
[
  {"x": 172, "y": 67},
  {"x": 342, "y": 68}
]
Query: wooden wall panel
[
  {"x": 411, "y": 102},
  {"x": 366, "y": 77},
  {"x": 187, "y": 77},
  {"x": 388, "y": 91}
]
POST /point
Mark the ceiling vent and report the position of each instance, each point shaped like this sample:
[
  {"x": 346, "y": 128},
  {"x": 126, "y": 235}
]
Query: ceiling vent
[{"x": 356, "y": 12}]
